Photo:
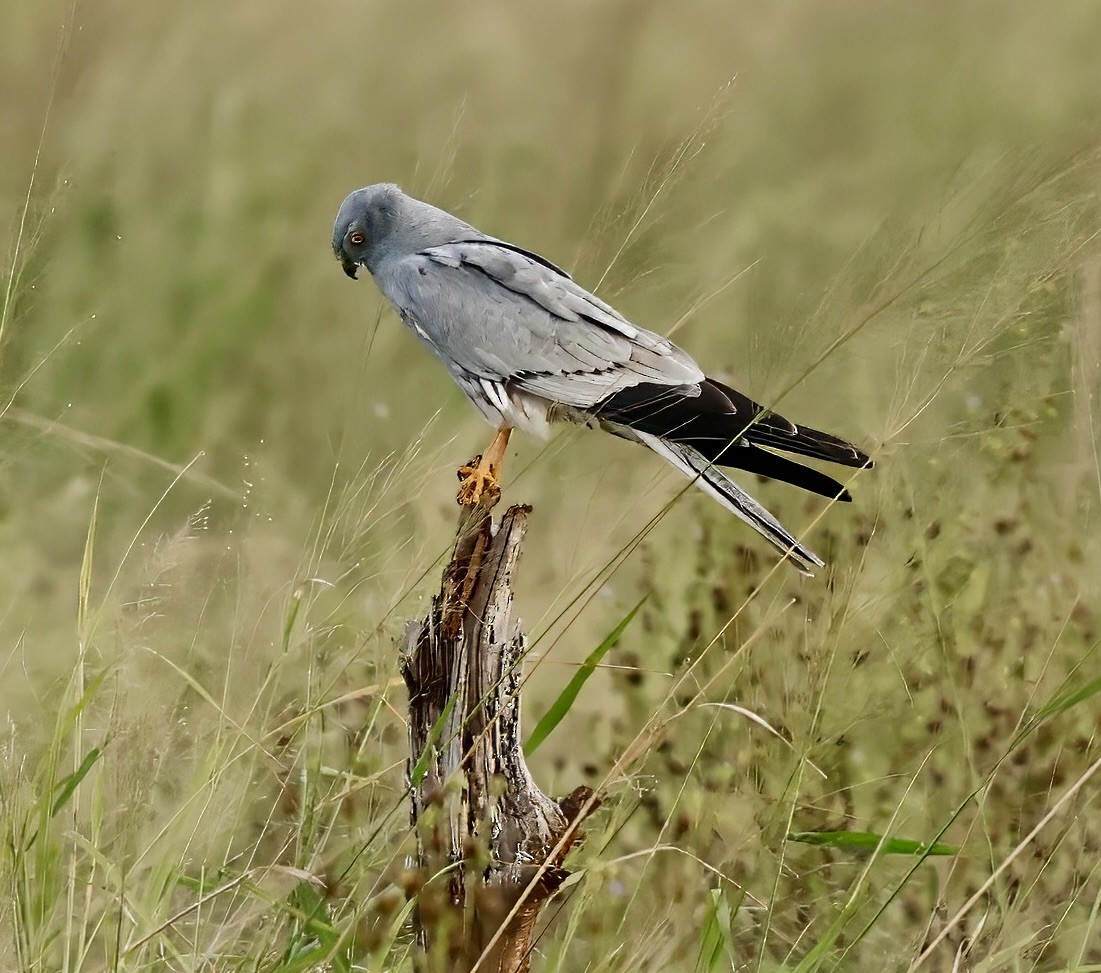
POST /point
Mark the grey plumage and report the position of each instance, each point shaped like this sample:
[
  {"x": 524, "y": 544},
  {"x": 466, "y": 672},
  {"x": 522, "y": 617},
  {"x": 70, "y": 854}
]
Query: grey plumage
[{"x": 528, "y": 345}]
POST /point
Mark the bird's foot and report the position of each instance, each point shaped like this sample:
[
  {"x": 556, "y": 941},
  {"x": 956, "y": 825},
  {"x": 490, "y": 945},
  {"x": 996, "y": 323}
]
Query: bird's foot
[{"x": 478, "y": 483}]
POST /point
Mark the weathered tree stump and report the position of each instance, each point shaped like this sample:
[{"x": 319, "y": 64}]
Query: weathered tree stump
[{"x": 490, "y": 843}]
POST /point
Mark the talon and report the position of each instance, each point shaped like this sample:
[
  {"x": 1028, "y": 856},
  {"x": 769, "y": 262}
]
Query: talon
[
  {"x": 467, "y": 471},
  {"x": 477, "y": 481}
]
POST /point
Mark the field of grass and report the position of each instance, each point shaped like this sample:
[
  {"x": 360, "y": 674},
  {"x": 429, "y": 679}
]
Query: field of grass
[{"x": 227, "y": 477}]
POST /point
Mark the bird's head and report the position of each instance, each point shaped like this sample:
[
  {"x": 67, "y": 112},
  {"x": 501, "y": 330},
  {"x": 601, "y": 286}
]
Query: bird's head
[{"x": 363, "y": 224}]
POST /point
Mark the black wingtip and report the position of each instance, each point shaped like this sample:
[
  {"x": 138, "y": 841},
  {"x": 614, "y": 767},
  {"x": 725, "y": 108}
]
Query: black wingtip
[
  {"x": 731, "y": 430},
  {"x": 860, "y": 460}
]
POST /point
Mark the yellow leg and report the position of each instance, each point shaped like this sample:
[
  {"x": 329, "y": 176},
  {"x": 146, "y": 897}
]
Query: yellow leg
[{"x": 479, "y": 480}]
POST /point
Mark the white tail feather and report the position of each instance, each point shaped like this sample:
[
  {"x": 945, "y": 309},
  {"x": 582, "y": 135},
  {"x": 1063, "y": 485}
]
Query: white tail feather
[{"x": 717, "y": 484}]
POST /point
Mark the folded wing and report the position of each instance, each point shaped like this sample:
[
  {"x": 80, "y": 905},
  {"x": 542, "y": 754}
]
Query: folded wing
[{"x": 504, "y": 315}]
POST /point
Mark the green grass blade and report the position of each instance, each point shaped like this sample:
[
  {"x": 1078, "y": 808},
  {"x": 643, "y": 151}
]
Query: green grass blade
[
  {"x": 822, "y": 949},
  {"x": 84, "y": 590},
  {"x": 1060, "y": 701},
  {"x": 561, "y": 706},
  {"x": 870, "y": 841},
  {"x": 66, "y": 720},
  {"x": 67, "y": 785},
  {"x": 1060, "y": 704},
  {"x": 292, "y": 616},
  {"x": 715, "y": 943},
  {"x": 428, "y": 754}
]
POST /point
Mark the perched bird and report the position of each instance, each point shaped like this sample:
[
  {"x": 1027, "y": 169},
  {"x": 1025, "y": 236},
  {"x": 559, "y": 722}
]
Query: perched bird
[{"x": 529, "y": 346}]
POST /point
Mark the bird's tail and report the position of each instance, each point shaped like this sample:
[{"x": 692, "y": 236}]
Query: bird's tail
[{"x": 713, "y": 481}]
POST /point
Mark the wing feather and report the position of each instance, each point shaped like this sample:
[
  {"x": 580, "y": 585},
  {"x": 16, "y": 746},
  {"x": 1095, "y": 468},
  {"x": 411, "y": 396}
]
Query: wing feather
[{"x": 501, "y": 314}]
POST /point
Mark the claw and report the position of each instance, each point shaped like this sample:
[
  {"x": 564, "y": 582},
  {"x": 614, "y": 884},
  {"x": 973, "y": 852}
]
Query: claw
[{"x": 478, "y": 482}]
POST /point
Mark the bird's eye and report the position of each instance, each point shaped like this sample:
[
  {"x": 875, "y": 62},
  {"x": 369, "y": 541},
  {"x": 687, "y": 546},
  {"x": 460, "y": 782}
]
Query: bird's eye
[{"x": 356, "y": 239}]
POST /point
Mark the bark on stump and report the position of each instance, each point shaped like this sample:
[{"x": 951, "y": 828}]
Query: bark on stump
[{"x": 490, "y": 843}]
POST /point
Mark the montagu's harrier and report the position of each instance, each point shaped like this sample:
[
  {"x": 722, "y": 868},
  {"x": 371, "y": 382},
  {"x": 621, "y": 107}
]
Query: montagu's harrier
[{"x": 530, "y": 346}]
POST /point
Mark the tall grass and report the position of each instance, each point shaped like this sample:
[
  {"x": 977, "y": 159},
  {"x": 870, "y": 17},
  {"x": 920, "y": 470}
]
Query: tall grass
[{"x": 226, "y": 478}]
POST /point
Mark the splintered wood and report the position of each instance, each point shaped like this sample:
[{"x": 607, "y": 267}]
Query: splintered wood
[{"x": 490, "y": 843}]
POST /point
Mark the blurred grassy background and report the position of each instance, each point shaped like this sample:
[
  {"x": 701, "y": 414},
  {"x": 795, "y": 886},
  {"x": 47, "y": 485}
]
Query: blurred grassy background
[{"x": 265, "y": 460}]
